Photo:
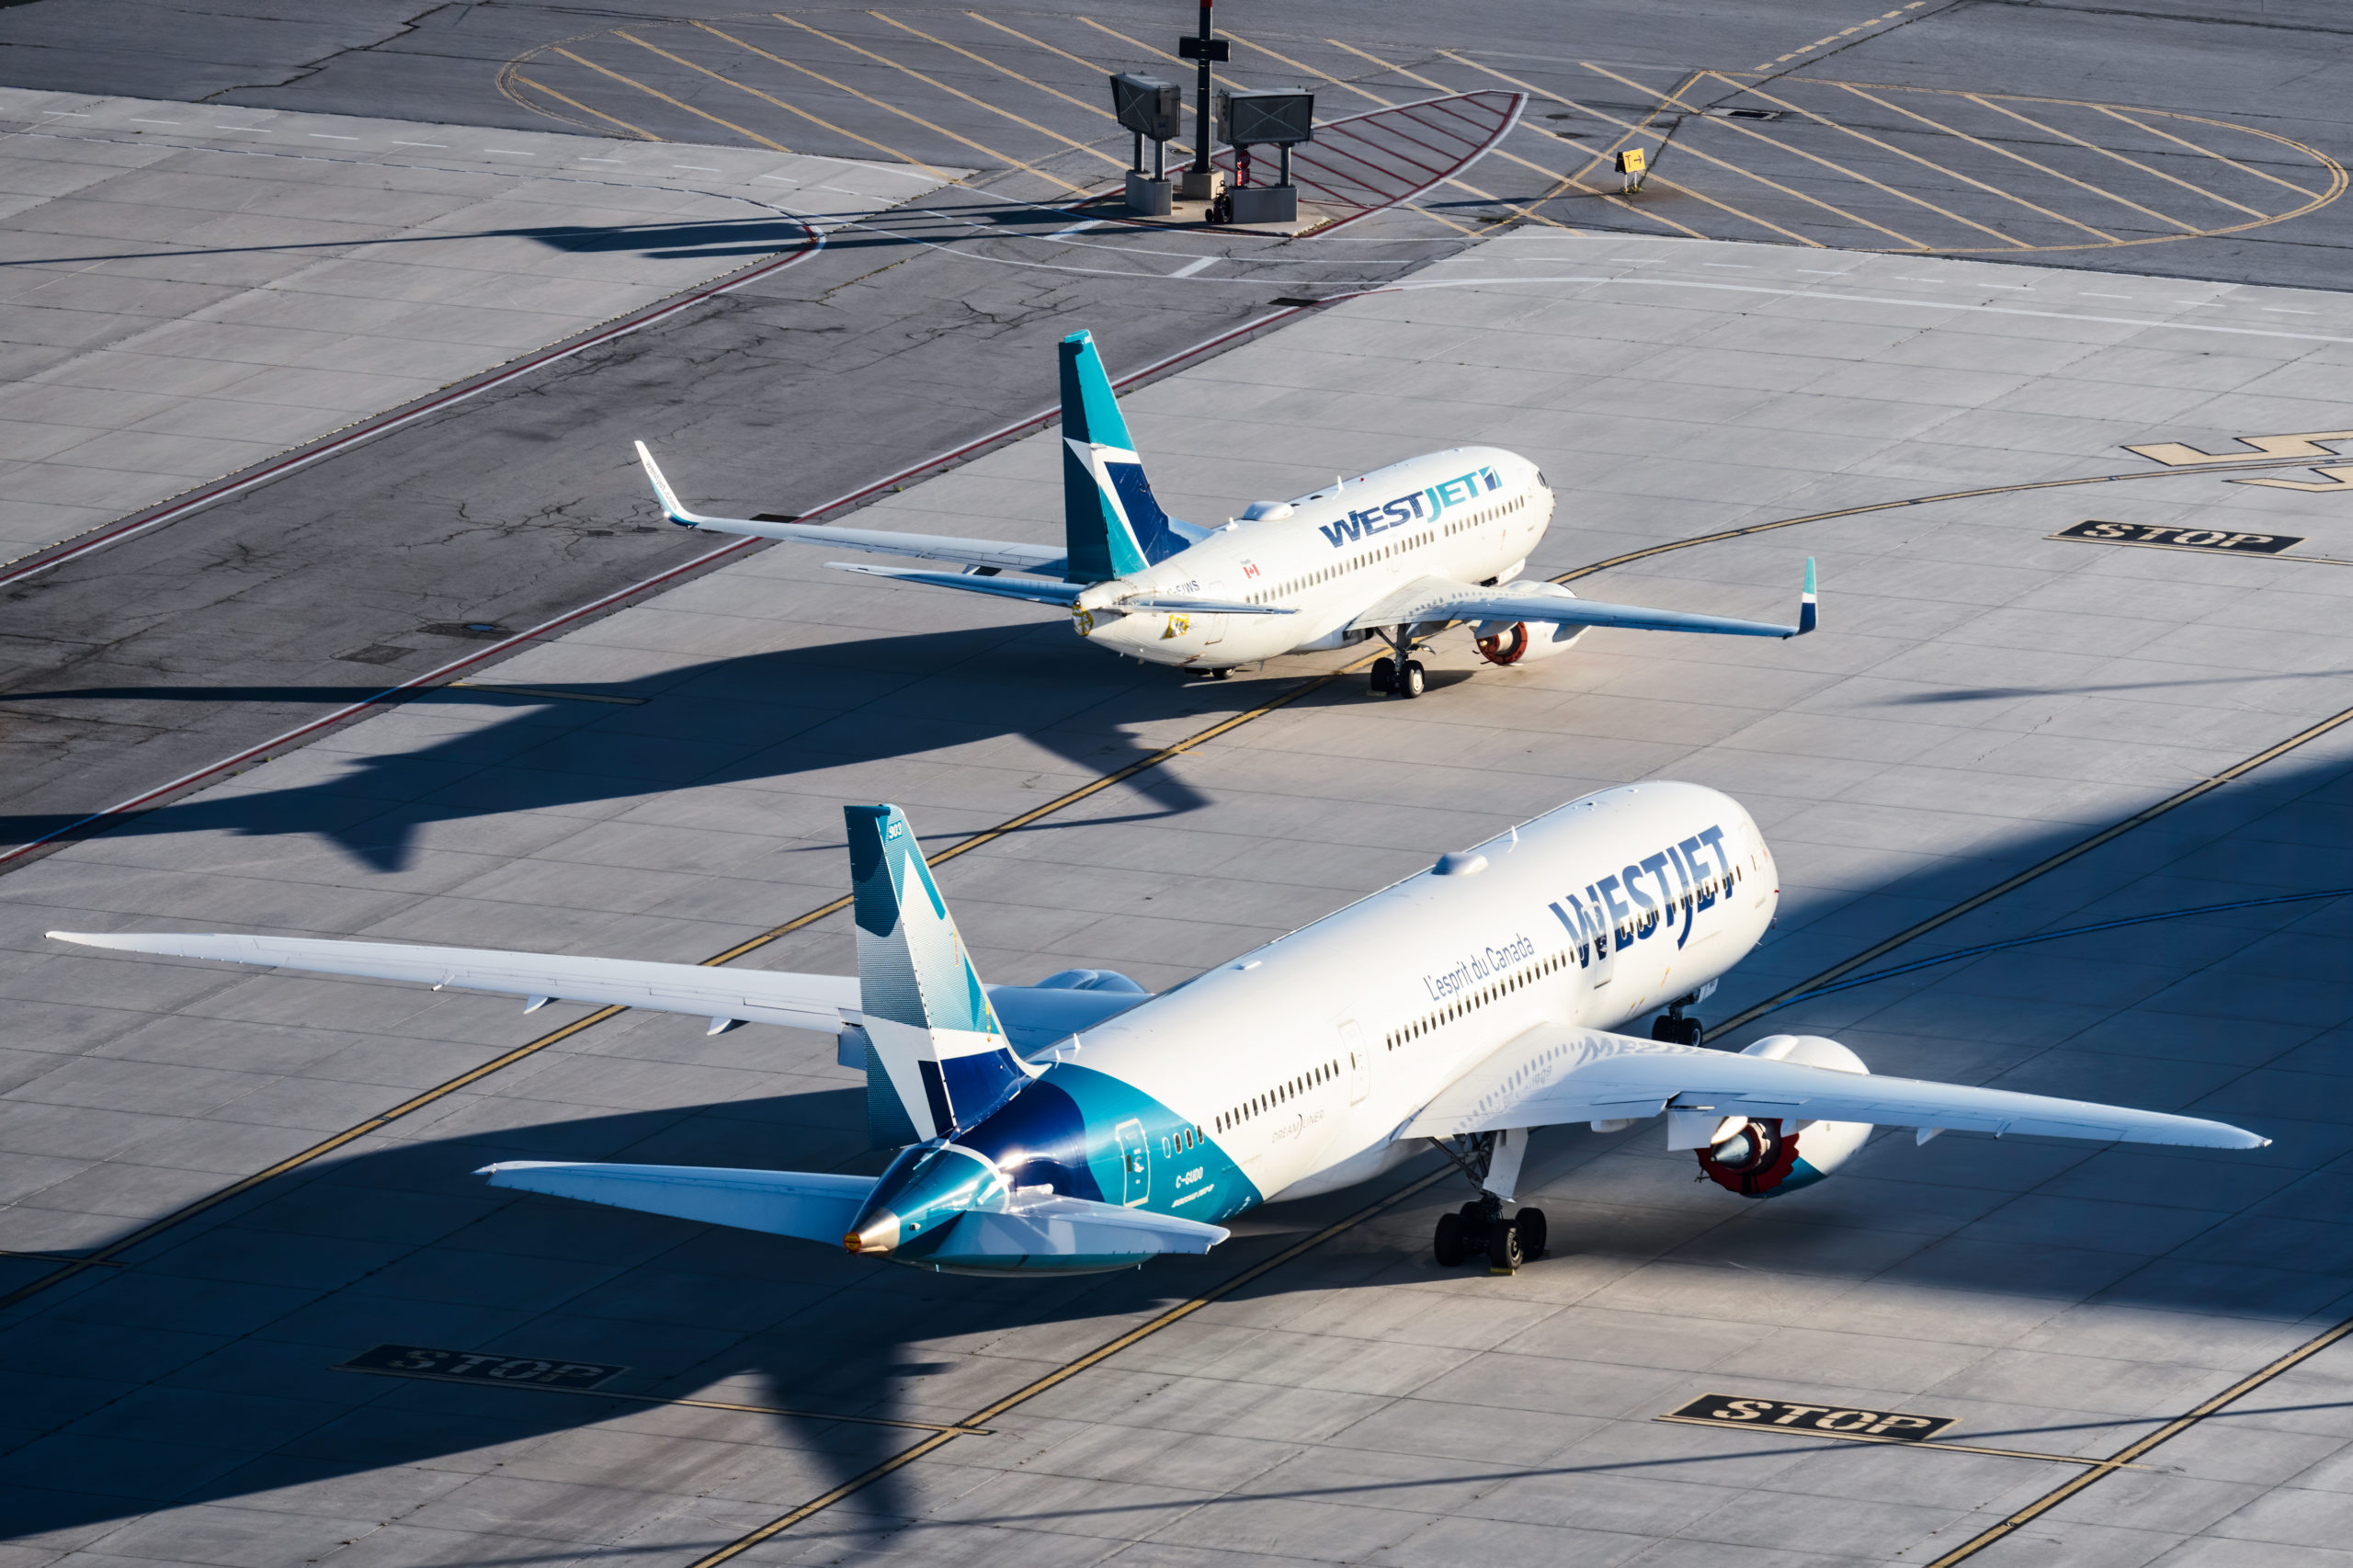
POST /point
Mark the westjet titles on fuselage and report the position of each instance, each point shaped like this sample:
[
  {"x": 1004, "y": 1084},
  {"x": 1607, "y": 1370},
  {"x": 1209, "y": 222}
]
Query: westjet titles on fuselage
[{"x": 1409, "y": 509}]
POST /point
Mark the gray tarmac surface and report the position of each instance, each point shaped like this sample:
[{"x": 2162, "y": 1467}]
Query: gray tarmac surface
[
  {"x": 133, "y": 668},
  {"x": 1983, "y": 698}
]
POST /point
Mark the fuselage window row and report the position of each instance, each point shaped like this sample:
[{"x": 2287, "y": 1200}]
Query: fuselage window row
[
  {"x": 1258, "y": 1104},
  {"x": 1449, "y": 1013}
]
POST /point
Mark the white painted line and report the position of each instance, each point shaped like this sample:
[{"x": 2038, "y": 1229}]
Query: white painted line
[
  {"x": 256, "y": 130},
  {"x": 444, "y": 145},
  {"x": 1192, "y": 267},
  {"x": 1730, "y": 266},
  {"x": 2283, "y": 311},
  {"x": 781, "y": 179},
  {"x": 322, "y": 136},
  {"x": 138, "y": 119},
  {"x": 514, "y": 152},
  {"x": 600, "y": 160},
  {"x": 1817, "y": 272},
  {"x": 704, "y": 168},
  {"x": 2089, "y": 295},
  {"x": 2199, "y": 304},
  {"x": 1080, "y": 228},
  {"x": 1851, "y": 299}
]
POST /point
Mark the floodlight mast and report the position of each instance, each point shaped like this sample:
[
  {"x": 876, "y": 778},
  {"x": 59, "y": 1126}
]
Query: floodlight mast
[{"x": 1202, "y": 99}]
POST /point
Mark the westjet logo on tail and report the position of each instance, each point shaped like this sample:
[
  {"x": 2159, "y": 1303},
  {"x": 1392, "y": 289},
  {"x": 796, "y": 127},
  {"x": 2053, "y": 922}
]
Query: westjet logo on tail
[
  {"x": 1421, "y": 506},
  {"x": 1618, "y": 910}
]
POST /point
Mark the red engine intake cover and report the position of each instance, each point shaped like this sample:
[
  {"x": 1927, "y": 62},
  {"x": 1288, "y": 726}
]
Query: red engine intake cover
[
  {"x": 1754, "y": 1160},
  {"x": 1504, "y": 647}
]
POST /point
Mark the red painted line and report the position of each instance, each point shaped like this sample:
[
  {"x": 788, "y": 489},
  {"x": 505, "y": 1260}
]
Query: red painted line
[
  {"x": 116, "y": 533},
  {"x": 418, "y": 683},
  {"x": 1518, "y": 102}
]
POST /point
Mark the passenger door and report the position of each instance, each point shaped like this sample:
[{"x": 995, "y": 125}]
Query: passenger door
[
  {"x": 1360, "y": 1060},
  {"x": 1135, "y": 1163}
]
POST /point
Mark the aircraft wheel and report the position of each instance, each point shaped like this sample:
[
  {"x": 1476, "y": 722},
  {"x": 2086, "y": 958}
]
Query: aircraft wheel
[
  {"x": 1447, "y": 1245},
  {"x": 1678, "y": 1031},
  {"x": 1384, "y": 676},
  {"x": 1504, "y": 1251},
  {"x": 1409, "y": 678},
  {"x": 1530, "y": 1222}
]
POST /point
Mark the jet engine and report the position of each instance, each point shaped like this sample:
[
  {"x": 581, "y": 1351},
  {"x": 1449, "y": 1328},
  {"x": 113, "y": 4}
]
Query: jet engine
[
  {"x": 1518, "y": 641},
  {"x": 1765, "y": 1158}
]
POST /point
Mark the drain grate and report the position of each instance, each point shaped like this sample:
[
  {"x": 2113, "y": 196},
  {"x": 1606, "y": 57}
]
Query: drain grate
[
  {"x": 1749, "y": 113},
  {"x": 472, "y": 631}
]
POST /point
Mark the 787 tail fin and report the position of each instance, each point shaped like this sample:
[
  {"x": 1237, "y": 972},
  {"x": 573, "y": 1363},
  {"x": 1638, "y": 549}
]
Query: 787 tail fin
[
  {"x": 935, "y": 1037},
  {"x": 1112, "y": 526}
]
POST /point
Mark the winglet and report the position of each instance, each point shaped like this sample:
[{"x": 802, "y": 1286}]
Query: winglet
[
  {"x": 667, "y": 497},
  {"x": 1808, "y": 616}
]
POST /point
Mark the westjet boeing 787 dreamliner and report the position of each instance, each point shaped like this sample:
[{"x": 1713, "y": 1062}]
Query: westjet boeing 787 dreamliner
[
  {"x": 1400, "y": 553},
  {"x": 1082, "y": 1124}
]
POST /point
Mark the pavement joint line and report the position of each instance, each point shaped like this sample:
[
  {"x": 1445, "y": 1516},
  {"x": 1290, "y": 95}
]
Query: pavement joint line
[
  {"x": 1066, "y": 1371},
  {"x": 1860, "y": 1437},
  {"x": 497, "y": 691},
  {"x": 1306, "y": 687},
  {"x": 387, "y": 423},
  {"x": 2017, "y": 879},
  {"x": 953, "y": 1430},
  {"x": 263, "y": 750},
  {"x": 2123, "y": 1458}
]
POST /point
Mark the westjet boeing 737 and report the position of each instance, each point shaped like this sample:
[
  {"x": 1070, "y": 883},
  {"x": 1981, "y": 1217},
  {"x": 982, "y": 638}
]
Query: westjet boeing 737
[
  {"x": 1081, "y": 1124},
  {"x": 1400, "y": 553}
]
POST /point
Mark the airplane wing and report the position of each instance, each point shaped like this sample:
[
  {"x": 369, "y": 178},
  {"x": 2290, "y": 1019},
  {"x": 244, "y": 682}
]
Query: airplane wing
[
  {"x": 828, "y": 1002},
  {"x": 1556, "y": 1073},
  {"x": 999, "y": 554},
  {"x": 1440, "y": 599},
  {"x": 1062, "y": 594},
  {"x": 811, "y": 1205}
]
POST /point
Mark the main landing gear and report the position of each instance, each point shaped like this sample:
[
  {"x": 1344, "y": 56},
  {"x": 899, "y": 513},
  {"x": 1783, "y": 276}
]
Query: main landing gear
[
  {"x": 1398, "y": 672},
  {"x": 1479, "y": 1227},
  {"x": 1674, "y": 1027}
]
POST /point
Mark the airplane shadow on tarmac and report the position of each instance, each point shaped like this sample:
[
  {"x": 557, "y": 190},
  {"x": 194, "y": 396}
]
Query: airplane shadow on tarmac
[
  {"x": 212, "y": 1348},
  {"x": 759, "y": 720}
]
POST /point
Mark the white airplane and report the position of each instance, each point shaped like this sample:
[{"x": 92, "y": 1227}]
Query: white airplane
[
  {"x": 1400, "y": 553},
  {"x": 1081, "y": 1124}
]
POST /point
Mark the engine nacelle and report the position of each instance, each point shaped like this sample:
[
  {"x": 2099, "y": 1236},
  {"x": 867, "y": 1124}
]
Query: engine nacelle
[
  {"x": 1519, "y": 641},
  {"x": 1766, "y": 1158}
]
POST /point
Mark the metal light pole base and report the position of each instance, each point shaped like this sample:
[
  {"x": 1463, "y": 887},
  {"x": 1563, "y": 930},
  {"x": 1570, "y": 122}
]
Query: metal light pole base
[
  {"x": 1147, "y": 197},
  {"x": 1264, "y": 203}
]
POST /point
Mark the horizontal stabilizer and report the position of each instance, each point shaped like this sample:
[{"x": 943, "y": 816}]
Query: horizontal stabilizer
[
  {"x": 803, "y": 1000},
  {"x": 1555, "y": 1073},
  {"x": 1002, "y": 554},
  {"x": 1055, "y": 1226},
  {"x": 811, "y": 1205}
]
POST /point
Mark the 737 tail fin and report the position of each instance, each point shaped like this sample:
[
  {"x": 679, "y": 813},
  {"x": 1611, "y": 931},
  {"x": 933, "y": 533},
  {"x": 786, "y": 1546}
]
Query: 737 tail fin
[
  {"x": 1111, "y": 524},
  {"x": 933, "y": 1034}
]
